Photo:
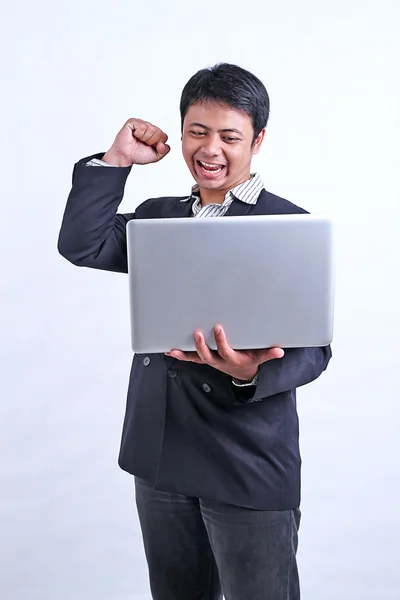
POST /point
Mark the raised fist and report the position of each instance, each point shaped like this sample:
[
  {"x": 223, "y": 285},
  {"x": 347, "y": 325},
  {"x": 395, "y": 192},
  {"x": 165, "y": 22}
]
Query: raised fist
[{"x": 138, "y": 143}]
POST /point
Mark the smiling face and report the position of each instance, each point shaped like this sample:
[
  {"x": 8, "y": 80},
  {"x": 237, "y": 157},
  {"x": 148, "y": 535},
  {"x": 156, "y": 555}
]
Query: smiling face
[{"x": 217, "y": 147}]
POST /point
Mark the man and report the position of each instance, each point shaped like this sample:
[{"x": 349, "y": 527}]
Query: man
[{"x": 211, "y": 437}]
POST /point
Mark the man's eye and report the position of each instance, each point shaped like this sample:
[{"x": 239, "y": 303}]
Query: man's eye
[
  {"x": 197, "y": 132},
  {"x": 231, "y": 139}
]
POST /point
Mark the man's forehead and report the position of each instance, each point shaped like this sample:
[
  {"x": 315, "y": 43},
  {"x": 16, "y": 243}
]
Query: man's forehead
[{"x": 219, "y": 116}]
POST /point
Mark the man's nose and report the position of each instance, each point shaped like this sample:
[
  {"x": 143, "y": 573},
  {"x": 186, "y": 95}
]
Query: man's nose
[{"x": 212, "y": 146}]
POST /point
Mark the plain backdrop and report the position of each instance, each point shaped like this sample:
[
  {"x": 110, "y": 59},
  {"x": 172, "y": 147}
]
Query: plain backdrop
[{"x": 72, "y": 74}]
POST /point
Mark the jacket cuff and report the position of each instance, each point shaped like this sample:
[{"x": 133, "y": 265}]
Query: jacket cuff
[{"x": 252, "y": 382}]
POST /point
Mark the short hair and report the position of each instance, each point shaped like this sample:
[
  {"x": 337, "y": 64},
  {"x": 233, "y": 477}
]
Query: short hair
[{"x": 232, "y": 86}]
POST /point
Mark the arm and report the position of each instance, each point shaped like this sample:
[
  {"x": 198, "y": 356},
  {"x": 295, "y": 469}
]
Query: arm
[{"x": 92, "y": 233}]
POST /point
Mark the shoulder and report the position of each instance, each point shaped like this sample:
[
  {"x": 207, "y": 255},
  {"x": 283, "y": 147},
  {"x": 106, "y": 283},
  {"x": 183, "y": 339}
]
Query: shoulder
[
  {"x": 158, "y": 207},
  {"x": 271, "y": 204}
]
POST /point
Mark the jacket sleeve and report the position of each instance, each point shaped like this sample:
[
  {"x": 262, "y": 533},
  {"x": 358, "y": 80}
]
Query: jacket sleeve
[
  {"x": 298, "y": 367},
  {"x": 92, "y": 233}
]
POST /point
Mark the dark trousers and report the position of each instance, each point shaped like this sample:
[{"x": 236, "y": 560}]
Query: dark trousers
[{"x": 200, "y": 549}]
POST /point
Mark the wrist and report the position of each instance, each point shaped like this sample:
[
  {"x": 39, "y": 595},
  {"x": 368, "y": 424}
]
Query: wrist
[
  {"x": 113, "y": 158},
  {"x": 251, "y": 380}
]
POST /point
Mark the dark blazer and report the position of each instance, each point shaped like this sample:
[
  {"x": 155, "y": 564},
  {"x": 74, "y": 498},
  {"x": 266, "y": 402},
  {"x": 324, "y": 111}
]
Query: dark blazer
[{"x": 187, "y": 429}]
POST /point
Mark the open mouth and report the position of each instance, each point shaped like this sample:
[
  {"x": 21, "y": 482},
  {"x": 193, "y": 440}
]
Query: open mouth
[{"x": 209, "y": 169}]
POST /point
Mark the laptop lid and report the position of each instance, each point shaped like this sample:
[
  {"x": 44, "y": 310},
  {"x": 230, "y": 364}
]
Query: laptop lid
[{"x": 268, "y": 279}]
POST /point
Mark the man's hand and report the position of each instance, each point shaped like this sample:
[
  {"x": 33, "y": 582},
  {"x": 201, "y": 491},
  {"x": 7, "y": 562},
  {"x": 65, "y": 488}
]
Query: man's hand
[
  {"x": 239, "y": 364},
  {"x": 138, "y": 143}
]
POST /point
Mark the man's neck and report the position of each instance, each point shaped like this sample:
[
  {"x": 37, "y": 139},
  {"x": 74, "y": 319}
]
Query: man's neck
[
  {"x": 211, "y": 197},
  {"x": 217, "y": 196}
]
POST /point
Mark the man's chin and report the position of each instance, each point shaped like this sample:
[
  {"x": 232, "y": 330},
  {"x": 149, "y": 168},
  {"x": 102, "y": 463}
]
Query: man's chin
[{"x": 211, "y": 185}]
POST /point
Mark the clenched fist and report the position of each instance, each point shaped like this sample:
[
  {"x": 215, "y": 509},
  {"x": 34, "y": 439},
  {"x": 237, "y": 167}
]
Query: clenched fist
[{"x": 138, "y": 143}]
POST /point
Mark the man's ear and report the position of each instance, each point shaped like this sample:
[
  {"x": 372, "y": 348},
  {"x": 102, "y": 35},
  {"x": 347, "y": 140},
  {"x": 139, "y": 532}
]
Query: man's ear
[{"x": 258, "y": 142}]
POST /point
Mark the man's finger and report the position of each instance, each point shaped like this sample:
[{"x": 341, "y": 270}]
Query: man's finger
[
  {"x": 131, "y": 123},
  {"x": 148, "y": 134},
  {"x": 223, "y": 348},
  {"x": 143, "y": 131},
  {"x": 155, "y": 137},
  {"x": 185, "y": 356},
  {"x": 203, "y": 350}
]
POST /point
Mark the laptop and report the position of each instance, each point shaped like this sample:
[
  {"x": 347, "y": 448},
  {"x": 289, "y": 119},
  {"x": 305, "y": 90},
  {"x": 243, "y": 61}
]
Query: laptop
[{"x": 267, "y": 279}]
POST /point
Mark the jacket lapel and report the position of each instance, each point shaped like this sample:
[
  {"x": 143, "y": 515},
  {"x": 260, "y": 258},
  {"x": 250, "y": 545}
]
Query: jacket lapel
[
  {"x": 239, "y": 208},
  {"x": 181, "y": 209},
  {"x": 264, "y": 206}
]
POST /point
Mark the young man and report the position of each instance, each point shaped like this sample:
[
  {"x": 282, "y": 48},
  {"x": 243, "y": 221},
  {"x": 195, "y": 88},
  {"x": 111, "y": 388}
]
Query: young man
[{"x": 211, "y": 437}]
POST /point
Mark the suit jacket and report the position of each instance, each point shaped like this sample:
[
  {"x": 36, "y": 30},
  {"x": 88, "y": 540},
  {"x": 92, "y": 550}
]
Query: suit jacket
[{"x": 187, "y": 428}]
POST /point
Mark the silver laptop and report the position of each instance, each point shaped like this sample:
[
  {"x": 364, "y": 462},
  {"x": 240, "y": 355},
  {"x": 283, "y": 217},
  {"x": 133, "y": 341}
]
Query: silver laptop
[{"x": 268, "y": 280}]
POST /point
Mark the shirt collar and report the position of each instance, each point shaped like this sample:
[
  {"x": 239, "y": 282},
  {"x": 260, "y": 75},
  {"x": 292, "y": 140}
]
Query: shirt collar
[{"x": 247, "y": 192}]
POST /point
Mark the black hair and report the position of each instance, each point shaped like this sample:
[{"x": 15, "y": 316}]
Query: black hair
[{"x": 229, "y": 85}]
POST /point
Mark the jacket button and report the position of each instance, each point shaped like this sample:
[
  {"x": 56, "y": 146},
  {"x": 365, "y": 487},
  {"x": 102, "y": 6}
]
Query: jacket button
[
  {"x": 146, "y": 361},
  {"x": 172, "y": 373},
  {"x": 206, "y": 387}
]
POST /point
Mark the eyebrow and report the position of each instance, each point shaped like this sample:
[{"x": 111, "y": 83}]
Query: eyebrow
[{"x": 219, "y": 130}]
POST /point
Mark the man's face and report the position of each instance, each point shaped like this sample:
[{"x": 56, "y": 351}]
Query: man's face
[{"x": 217, "y": 145}]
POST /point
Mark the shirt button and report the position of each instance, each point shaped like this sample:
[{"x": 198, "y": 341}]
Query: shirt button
[
  {"x": 172, "y": 373},
  {"x": 206, "y": 387},
  {"x": 146, "y": 361}
]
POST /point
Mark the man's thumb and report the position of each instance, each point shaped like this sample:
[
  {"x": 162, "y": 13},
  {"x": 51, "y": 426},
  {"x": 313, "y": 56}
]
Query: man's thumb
[
  {"x": 271, "y": 354},
  {"x": 162, "y": 149}
]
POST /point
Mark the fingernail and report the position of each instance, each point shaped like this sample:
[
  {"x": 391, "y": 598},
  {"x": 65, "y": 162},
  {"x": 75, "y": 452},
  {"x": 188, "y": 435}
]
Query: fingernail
[
  {"x": 218, "y": 329},
  {"x": 197, "y": 338}
]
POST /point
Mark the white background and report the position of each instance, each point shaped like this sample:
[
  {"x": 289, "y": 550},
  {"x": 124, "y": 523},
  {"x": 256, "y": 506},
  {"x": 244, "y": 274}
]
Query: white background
[{"x": 72, "y": 74}]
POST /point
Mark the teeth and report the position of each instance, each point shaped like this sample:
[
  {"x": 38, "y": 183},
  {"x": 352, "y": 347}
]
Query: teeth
[{"x": 211, "y": 166}]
